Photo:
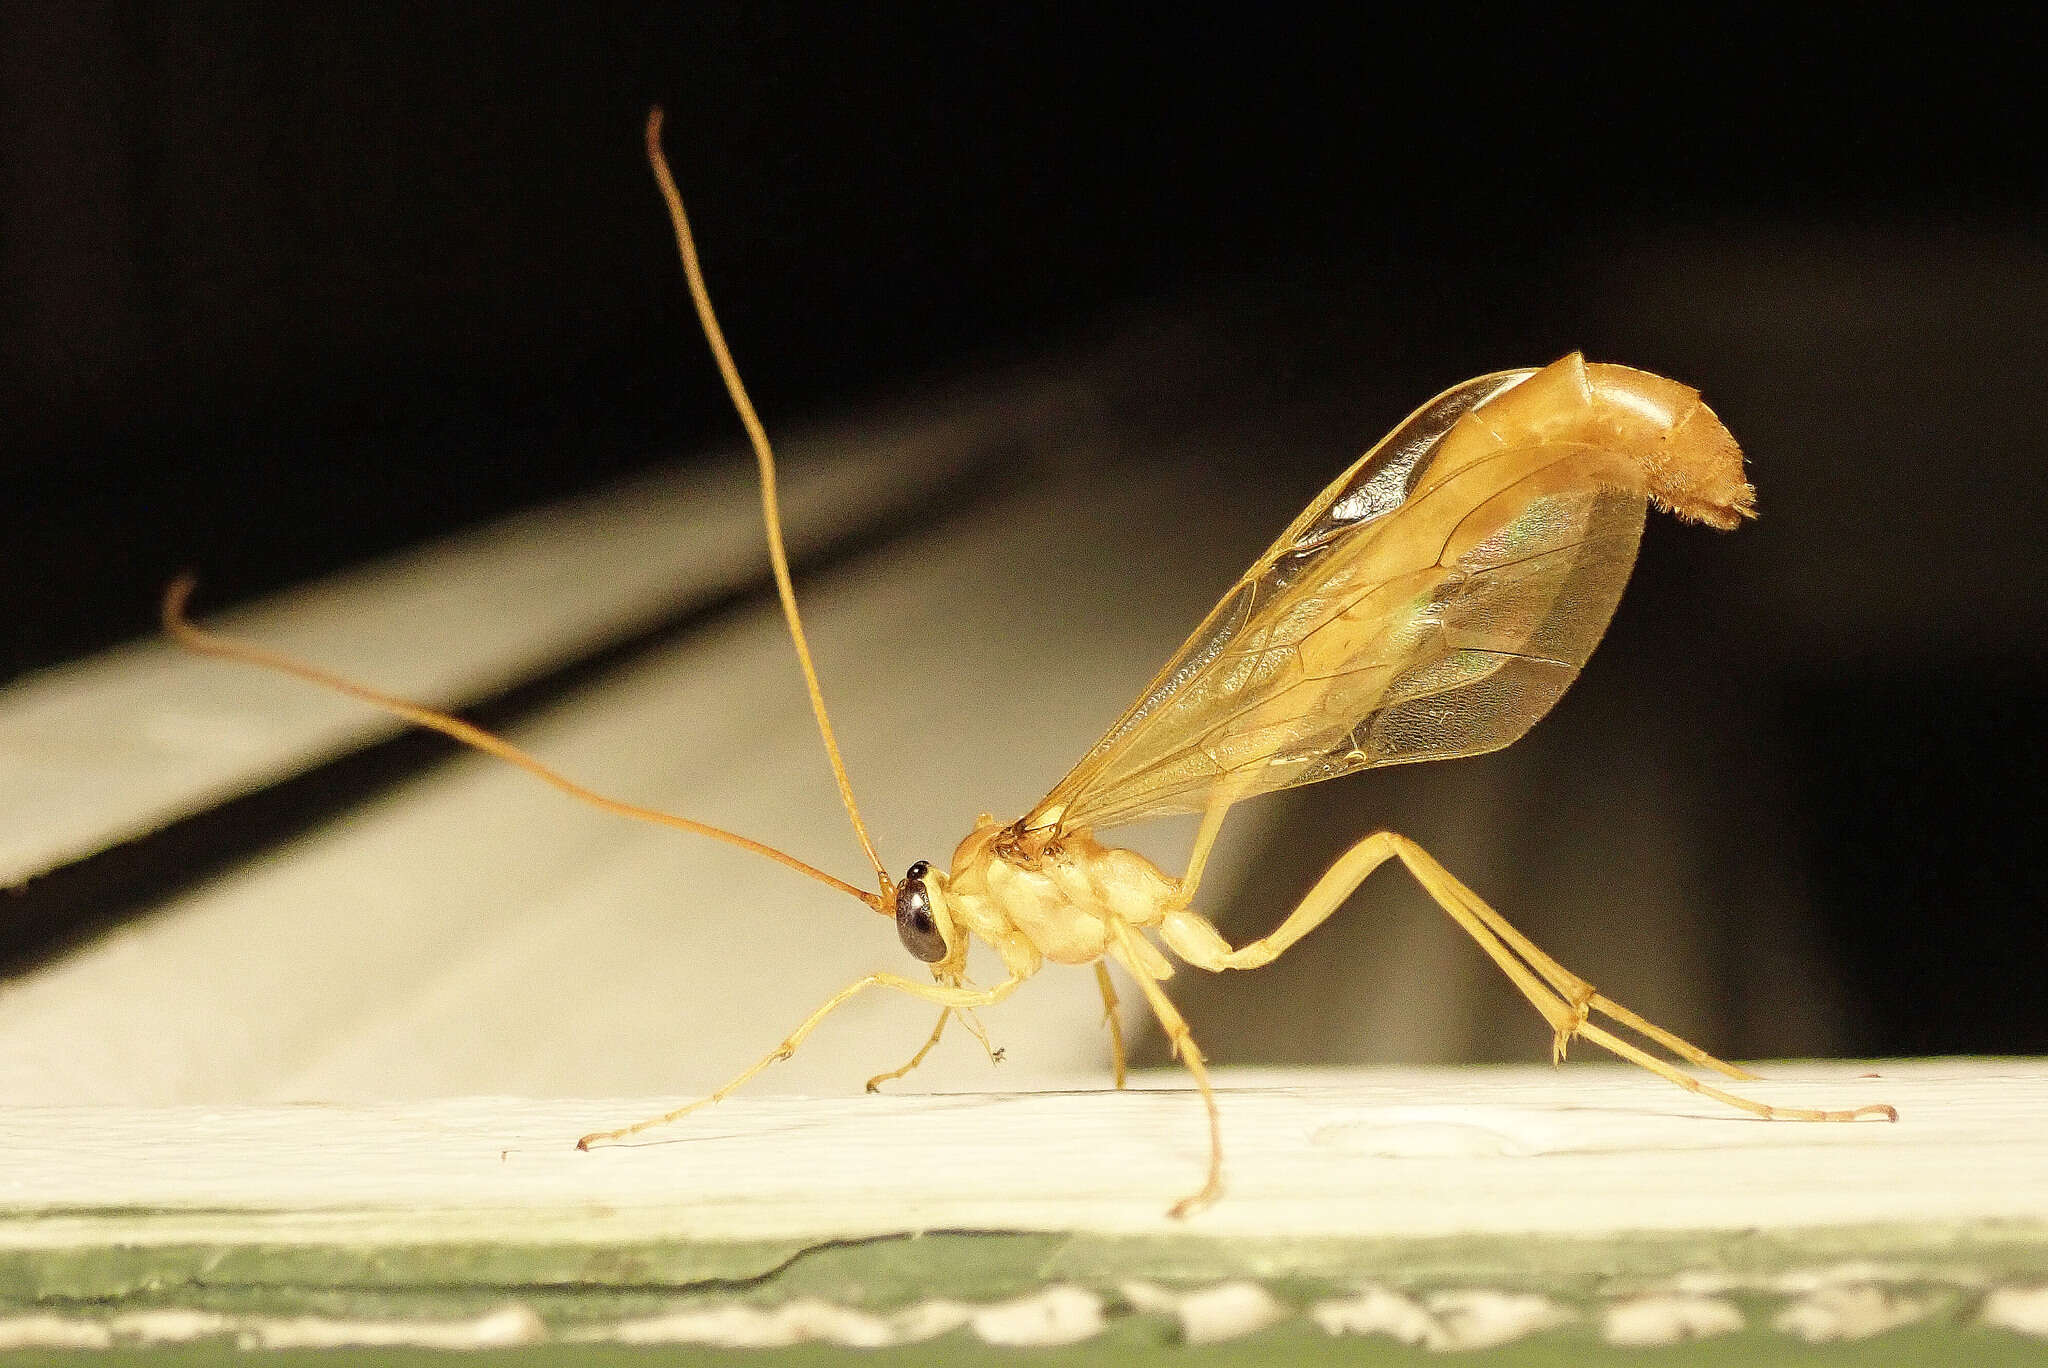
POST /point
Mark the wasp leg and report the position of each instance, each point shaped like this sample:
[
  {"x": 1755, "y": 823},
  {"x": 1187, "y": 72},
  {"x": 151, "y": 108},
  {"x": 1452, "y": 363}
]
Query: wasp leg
[
  {"x": 875, "y": 1083},
  {"x": 1564, "y": 999},
  {"x": 1189, "y": 1054},
  {"x": 1116, "y": 1027},
  {"x": 942, "y": 994},
  {"x": 980, "y": 1033},
  {"x": 1213, "y": 814}
]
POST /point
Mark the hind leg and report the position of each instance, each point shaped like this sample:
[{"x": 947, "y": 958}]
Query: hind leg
[{"x": 1564, "y": 999}]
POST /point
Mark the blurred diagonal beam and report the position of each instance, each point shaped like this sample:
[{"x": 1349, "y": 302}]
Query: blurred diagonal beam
[{"x": 146, "y": 741}]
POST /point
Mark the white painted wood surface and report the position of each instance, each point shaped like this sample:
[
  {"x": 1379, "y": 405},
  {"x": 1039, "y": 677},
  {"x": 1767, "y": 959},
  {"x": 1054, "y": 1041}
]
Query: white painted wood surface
[{"x": 1589, "y": 1149}]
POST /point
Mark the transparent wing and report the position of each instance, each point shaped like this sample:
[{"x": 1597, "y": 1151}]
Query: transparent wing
[{"x": 1434, "y": 601}]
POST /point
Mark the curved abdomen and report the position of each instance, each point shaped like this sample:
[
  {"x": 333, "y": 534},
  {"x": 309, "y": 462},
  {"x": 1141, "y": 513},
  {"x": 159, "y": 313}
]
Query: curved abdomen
[{"x": 1689, "y": 461}]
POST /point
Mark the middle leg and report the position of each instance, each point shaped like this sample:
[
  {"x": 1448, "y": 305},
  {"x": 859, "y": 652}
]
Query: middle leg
[
  {"x": 1190, "y": 1054},
  {"x": 1116, "y": 1027}
]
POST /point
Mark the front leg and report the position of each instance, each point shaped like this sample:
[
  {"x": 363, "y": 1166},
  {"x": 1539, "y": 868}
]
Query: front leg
[
  {"x": 930, "y": 1044},
  {"x": 950, "y": 996}
]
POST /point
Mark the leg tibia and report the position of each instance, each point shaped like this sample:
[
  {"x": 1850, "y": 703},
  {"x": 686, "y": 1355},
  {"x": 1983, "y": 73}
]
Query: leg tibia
[
  {"x": 931, "y": 1043},
  {"x": 1109, "y": 1016}
]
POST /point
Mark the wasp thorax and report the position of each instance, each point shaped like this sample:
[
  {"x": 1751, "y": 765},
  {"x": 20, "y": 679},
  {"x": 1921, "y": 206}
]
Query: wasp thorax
[{"x": 916, "y": 924}]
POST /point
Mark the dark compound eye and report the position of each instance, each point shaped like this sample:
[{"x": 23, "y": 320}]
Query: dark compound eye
[{"x": 916, "y": 926}]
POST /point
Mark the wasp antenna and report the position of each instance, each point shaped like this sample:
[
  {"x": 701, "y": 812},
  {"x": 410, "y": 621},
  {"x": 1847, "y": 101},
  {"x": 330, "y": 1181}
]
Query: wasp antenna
[
  {"x": 181, "y": 629},
  {"x": 770, "y": 511}
]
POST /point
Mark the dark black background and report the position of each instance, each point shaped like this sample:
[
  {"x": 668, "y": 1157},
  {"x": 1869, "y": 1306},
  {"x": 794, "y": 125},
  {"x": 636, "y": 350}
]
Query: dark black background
[{"x": 285, "y": 286}]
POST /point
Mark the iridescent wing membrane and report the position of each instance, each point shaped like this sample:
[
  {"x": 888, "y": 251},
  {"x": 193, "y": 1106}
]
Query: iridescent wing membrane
[{"x": 1433, "y": 602}]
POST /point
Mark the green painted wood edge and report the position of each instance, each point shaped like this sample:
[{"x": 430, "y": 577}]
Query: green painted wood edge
[
  {"x": 575, "y": 1285},
  {"x": 1135, "y": 1344},
  {"x": 885, "y": 1272}
]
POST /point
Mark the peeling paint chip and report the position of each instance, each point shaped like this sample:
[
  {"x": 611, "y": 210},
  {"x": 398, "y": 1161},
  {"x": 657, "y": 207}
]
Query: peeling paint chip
[
  {"x": 1647, "y": 1321},
  {"x": 1210, "y": 1315},
  {"x": 170, "y": 1325},
  {"x": 1474, "y": 1319},
  {"x": 511, "y": 1325},
  {"x": 1480, "y": 1319},
  {"x": 1375, "y": 1311},
  {"x": 1848, "y": 1313},
  {"x": 53, "y": 1332},
  {"x": 1058, "y": 1315},
  {"x": 2024, "y": 1309},
  {"x": 738, "y": 1326}
]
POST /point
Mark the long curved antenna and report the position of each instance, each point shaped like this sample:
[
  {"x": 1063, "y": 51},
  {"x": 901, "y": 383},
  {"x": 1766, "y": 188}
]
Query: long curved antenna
[
  {"x": 770, "y": 512},
  {"x": 181, "y": 629}
]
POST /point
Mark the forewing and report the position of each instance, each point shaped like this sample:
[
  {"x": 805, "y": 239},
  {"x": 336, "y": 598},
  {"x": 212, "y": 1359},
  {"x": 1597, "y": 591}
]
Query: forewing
[{"x": 1410, "y": 613}]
